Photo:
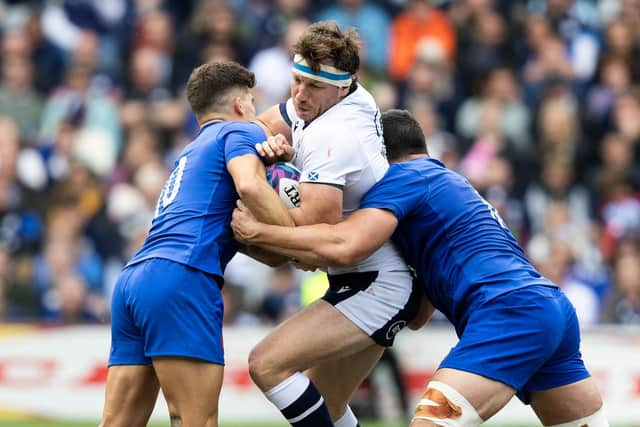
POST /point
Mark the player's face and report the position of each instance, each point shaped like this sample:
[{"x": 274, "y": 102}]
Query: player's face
[
  {"x": 312, "y": 98},
  {"x": 248, "y": 105}
]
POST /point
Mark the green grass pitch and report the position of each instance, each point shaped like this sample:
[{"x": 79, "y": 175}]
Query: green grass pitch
[
  {"x": 16, "y": 423},
  {"x": 21, "y": 423},
  {"x": 222, "y": 424}
]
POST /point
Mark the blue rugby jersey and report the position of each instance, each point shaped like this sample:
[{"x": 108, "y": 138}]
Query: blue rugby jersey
[
  {"x": 455, "y": 240},
  {"x": 193, "y": 213}
]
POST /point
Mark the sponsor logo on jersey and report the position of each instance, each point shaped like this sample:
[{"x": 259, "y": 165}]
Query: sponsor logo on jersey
[{"x": 395, "y": 328}]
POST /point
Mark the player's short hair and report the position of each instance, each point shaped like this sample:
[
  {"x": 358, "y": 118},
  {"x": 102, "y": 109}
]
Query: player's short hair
[
  {"x": 402, "y": 134},
  {"x": 324, "y": 43},
  {"x": 210, "y": 85}
]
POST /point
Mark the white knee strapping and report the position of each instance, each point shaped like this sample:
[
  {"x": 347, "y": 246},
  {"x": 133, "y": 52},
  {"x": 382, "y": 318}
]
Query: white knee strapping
[
  {"x": 441, "y": 404},
  {"x": 597, "y": 419}
]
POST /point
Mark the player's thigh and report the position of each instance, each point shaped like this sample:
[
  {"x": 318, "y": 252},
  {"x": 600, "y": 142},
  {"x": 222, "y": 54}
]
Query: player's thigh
[
  {"x": 179, "y": 310},
  {"x": 315, "y": 334},
  {"x": 453, "y": 394},
  {"x": 566, "y": 403},
  {"x": 130, "y": 396},
  {"x": 191, "y": 388},
  {"x": 338, "y": 379},
  {"x": 512, "y": 337},
  {"x": 380, "y": 303}
]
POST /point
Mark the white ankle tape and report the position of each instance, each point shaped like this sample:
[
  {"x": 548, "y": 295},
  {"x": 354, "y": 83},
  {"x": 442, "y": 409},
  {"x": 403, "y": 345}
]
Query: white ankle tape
[
  {"x": 597, "y": 419},
  {"x": 441, "y": 404}
]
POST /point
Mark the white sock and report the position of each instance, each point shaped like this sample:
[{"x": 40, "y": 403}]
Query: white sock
[
  {"x": 288, "y": 391},
  {"x": 300, "y": 402},
  {"x": 347, "y": 420}
]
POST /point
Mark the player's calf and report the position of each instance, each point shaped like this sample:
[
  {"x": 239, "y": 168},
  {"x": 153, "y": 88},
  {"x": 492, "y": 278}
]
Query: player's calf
[{"x": 300, "y": 402}]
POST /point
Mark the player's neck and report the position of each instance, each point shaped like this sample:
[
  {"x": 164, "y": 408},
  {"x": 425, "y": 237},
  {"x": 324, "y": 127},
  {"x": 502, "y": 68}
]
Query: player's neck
[
  {"x": 410, "y": 157},
  {"x": 214, "y": 117}
]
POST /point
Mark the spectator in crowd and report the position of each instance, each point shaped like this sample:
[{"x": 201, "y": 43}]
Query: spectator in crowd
[
  {"x": 65, "y": 23},
  {"x": 548, "y": 66},
  {"x": 89, "y": 106},
  {"x": 431, "y": 79},
  {"x": 441, "y": 144},
  {"x": 619, "y": 211},
  {"x": 485, "y": 48},
  {"x": 555, "y": 261},
  {"x": 535, "y": 102},
  {"x": 515, "y": 119},
  {"x": 272, "y": 67},
  {"x": 282, "y": 298},
  {"x": 148, "y": 96},
  {"x": 616, "y": 157},
  {"x": 47, "y": 58},
  {"x": 556, "y": 181},
  {"x": 614, "y": 80},
  {"x": 420, "y": 30},
  {"x": 372, "y": 23},
  {"x": 18, "y": 96},
  {"x": 558, "y": 130},
  {"x": 623, "y": 305},
  {"x": 235, "y": 312},
  {"x": 625, "y": 120},
  {"x": 621, "y": 43}
]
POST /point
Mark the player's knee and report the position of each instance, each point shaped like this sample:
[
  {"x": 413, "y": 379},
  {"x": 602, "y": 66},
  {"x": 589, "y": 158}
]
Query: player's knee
[
  {"x": 442, "y": 405},
  {"x": 262, "y": 367},
  {"x": 597, "y": 419}
]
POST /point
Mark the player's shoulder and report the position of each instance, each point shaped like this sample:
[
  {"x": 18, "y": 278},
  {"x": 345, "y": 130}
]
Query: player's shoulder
[
  {"x": 419, "y": 166},
  {"x": 361, "y": 98},
  {"x": 422, "y": 169},
  {"x": 249, "y": 129}
]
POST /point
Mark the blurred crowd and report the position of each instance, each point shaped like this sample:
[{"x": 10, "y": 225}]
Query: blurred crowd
[{"x": 536, "y": 102}]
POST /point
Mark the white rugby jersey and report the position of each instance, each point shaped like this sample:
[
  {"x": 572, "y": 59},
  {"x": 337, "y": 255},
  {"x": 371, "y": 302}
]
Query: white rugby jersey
[{"x": 344, "y": 147}]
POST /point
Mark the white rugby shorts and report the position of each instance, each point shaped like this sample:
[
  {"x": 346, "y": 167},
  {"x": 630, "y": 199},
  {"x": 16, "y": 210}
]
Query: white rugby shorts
[{"x": 380, "y": 303}]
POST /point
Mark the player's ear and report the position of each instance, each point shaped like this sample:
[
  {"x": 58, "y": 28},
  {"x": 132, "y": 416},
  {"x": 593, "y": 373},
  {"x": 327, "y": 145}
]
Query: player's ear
[{"x": 237, "y": 106}]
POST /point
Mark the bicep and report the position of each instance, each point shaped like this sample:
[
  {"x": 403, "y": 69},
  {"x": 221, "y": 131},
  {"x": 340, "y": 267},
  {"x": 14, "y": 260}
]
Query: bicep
[
  {"x": 364, "y": 232},
  {"x": 245, "y": 170},
  {"x": 319, "y": 203}
]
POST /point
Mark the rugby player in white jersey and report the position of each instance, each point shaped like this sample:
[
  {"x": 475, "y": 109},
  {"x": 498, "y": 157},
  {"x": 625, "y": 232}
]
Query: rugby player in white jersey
[{"x": 328, "y": 348}]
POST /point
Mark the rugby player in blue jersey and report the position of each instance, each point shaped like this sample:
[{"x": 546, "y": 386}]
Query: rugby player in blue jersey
[
  {"x": 518, "y": 333},
  {"x": 166, "y": 329}
]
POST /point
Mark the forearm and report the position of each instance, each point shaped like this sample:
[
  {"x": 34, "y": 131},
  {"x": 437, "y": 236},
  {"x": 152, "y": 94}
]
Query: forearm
[
  {"x": 301, "y": 216},
  {"x": 319, "y": 244},
  {"x": 264, "y": 256},
  {"x": 310, "y": 258},
  {"x": 265, "y": 205}
]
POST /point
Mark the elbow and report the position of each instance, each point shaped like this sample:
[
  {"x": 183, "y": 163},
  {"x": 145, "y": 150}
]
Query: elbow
[
  {"x": 248, "y": 189},
  {"x": 344, "y": 256}
]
